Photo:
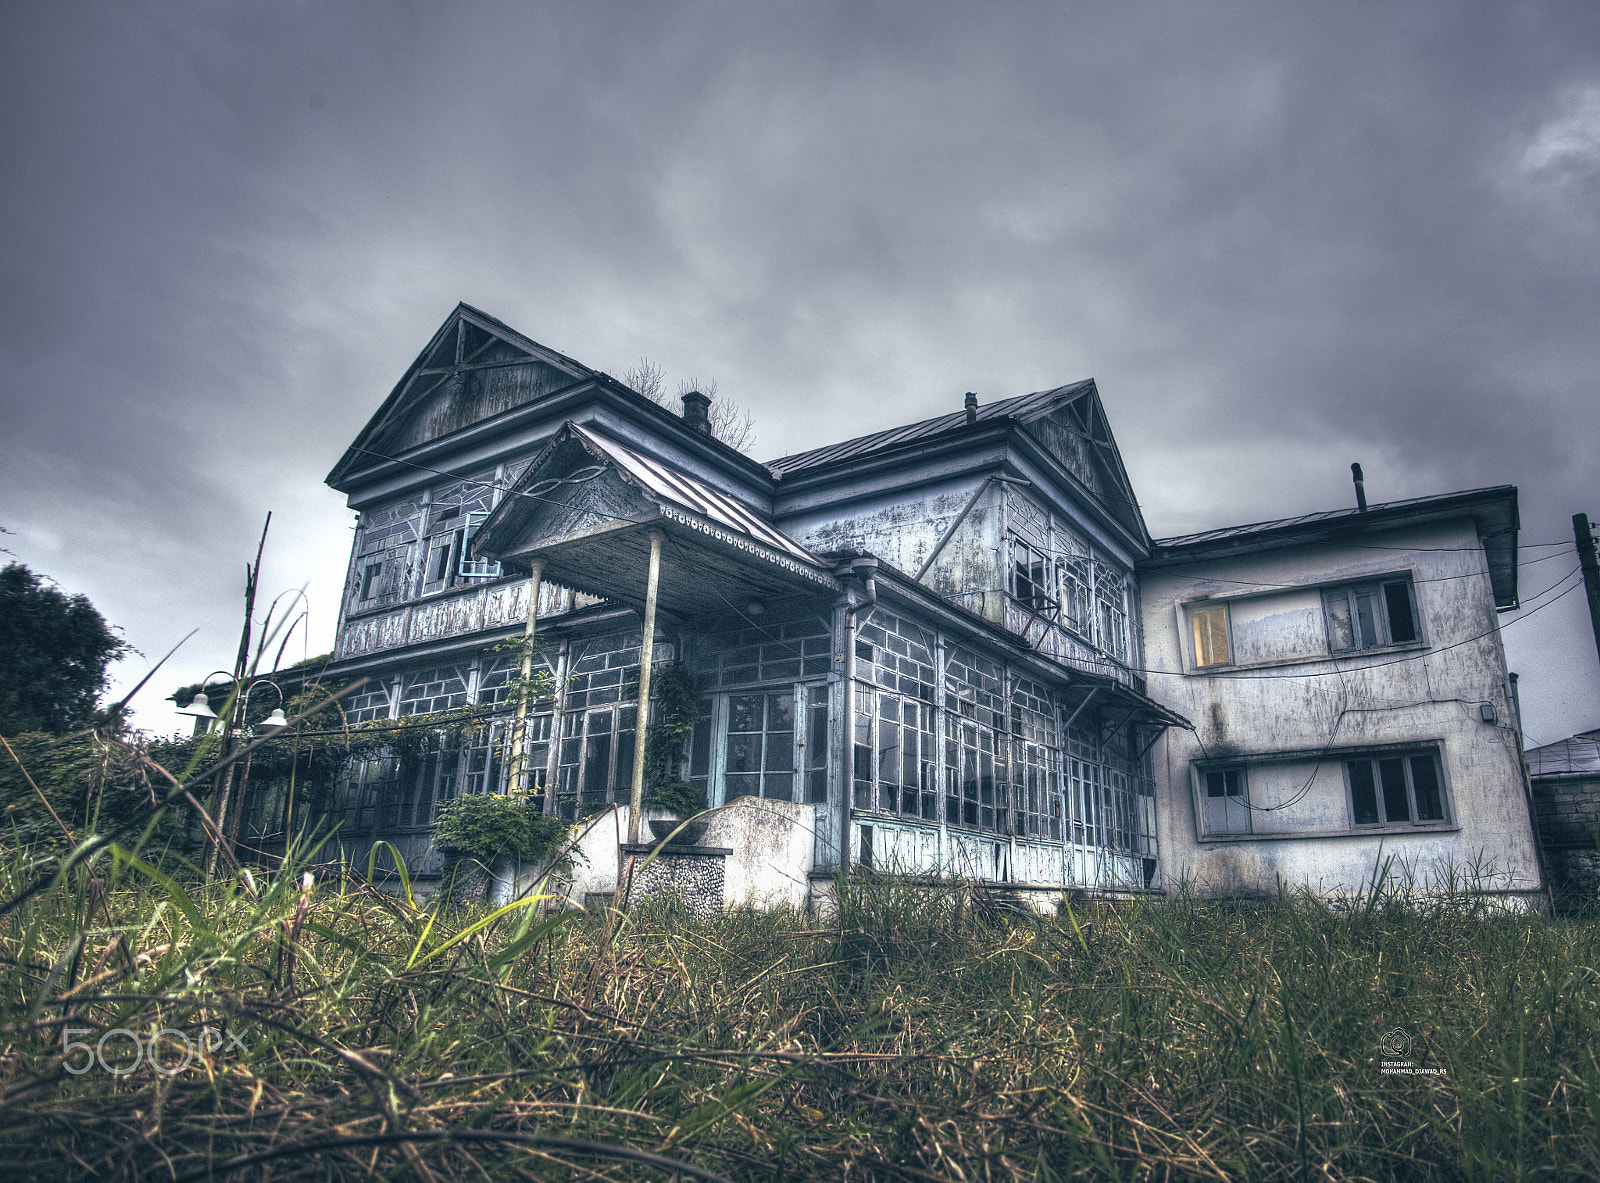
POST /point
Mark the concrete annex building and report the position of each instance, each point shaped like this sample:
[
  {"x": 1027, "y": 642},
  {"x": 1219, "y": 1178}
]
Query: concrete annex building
[{"x": 948, "y": 648}]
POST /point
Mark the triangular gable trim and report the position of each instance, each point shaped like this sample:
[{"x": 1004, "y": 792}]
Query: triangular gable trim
[
  {"x": 421, "y": 379},
  {"x": 677, "y": 497}
]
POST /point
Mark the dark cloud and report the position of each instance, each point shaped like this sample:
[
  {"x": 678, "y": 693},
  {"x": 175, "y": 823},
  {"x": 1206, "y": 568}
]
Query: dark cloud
[{"x": 1281, "y": 237}]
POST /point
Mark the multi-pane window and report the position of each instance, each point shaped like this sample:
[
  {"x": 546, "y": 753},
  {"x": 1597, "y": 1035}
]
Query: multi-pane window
[
  {"x": 895, "y": 654},
  {"x": 1225, "y": 801},
  {"x": 1370, "y": 615},
  {"x": 1075, "y": 581},
  {"x": 1033, "y": 578},
  {"x": 771, "y": 649},
  {"x": 760, "y": 746},
  {"x": 367, "y": 781},
  {"x": 700, "y": 749},
  {"x": 897, "y": 737},
  {"x": 1208, "y": 627},
  {"x": 432, "y": 692},
  {"x": 426, "y": 782},
  {"x": 368, "y": 705},
  {"x": 595, "y": 760},
  {"x": 1404, "y": 789},
  {"x": 814, "y": 753},
  {"x": 1036, "y": 794},
  {"x": 1111, "y": 594},
  {"x": 974, "y": 793},
  {"x": 1087, "y": 801}
]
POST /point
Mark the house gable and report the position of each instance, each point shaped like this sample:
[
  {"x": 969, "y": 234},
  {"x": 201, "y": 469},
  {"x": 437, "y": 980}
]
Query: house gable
[
  {"x": 473, "y": 369},
  {"x": 1077, "y": 434}
]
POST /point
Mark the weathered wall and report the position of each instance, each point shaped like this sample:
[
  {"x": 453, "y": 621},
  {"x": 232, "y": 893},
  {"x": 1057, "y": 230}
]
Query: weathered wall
[
  {"x": 902, "y": 528},
  {"x": 1291, "y": 696},
  {"x": 1569, "y": 826},
  {"x": 772, "y": 843}
]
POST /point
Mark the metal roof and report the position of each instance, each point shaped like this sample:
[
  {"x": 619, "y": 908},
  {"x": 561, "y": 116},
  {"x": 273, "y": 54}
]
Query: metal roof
[
  {"x": 1228, "y": 533},
  {"x": 1022, "y": 408},
  {"x": 1576, "y": 754},
  {"x": 696, "y": 496}
]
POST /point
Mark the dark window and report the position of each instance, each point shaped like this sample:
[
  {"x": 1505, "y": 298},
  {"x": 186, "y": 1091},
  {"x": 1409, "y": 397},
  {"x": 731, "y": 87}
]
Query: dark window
[
  {"x": 1403, "y": 789},
  {"x": 761, "y": 744},
  {"x": 369, "y": 580},
  {"x": 1032, "y": 579},
  {"x": 1370, "y": 615}
]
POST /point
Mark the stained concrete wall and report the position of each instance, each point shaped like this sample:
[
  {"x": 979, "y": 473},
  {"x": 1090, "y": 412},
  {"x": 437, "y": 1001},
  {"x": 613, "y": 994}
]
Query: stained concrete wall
[
  {"x": 772, "y": 843},
  {"x": 1291, "y": 714}
]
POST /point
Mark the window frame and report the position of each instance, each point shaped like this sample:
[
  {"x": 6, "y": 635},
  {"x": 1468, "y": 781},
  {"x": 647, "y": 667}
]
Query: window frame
[
  {"x": 1406, "y": 758},
  {"x": 1193, "y": 613},
  {"x": 1203, "y": 783},
  {"x": 1383, "y": 621},
  {"x": 1184, "y": 611}
]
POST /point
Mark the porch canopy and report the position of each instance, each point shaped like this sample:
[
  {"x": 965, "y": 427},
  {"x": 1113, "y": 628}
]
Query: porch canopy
[{"x": 587, "y": 506}]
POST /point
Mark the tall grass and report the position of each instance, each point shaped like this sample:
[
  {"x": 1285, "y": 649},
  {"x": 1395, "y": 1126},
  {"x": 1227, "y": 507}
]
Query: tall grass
[{"x": 911, "y": 1036}]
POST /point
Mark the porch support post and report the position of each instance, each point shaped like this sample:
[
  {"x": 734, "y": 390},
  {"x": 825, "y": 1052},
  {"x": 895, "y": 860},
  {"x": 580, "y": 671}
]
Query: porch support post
[
  {"x": 519, "y": 731},
  {"x": 647, "y": 646}
]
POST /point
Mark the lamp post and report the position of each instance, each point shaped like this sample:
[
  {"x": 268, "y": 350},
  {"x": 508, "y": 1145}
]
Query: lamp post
[{"x": 236, "y": 707}]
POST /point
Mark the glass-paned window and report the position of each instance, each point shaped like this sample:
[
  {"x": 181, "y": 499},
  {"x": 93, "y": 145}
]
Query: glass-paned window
[
  {"x": 1396, "y": 790},
  {"x": 1033, "y": 577},
  {"x": 700, "y": 748},
  {"x": 1370, "y": 615},
  {"x": 1087, "y": 801},
  {"x": 974, "y": 795},
  {"x": 595, "y": 759},
  {"x": 1225, "y": 805},
  {"x": 368, "y": 705},
  {"x": 905, "y": 757},
  {"x": 1075, "y": 593},
  {"x": 434, "y": 691},
  {"x": 1036, "y": 791},
  {"x": 815, "y": 756},
  {"x": 761, "y": 746}
]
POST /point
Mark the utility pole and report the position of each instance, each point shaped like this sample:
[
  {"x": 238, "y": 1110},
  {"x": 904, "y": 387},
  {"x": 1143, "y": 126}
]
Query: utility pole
[{"x": 1591, "y": 570}]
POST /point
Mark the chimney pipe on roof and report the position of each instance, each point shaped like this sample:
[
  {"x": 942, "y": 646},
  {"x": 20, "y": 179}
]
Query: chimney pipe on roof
[
  {"x": 972, "y": 408},
  {"x": 1361, "y": 488},
  {"x": 696, "y": 412}
]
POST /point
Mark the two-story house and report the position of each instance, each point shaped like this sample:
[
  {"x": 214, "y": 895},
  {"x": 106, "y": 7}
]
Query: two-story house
[{"x": 929, "y": 644}]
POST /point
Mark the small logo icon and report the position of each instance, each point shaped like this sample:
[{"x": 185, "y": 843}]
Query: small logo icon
[{"x": 1395, "y": 1043}]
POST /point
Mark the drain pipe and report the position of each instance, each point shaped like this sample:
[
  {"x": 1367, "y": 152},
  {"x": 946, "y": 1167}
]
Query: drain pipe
[{"x": 865, "y": 568}]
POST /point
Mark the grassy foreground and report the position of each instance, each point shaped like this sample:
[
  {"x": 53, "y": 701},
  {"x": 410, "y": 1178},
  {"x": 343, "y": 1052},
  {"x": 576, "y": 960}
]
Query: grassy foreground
[{"x": 344, "y": 1033}]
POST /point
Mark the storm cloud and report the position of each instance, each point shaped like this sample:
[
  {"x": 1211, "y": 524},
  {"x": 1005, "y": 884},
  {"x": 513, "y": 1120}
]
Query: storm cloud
[{"x": 1281, "y": 237}]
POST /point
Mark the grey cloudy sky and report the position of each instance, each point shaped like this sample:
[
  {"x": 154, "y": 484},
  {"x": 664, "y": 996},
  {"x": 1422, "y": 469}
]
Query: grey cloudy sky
[{"x": 1281, "y": 236}]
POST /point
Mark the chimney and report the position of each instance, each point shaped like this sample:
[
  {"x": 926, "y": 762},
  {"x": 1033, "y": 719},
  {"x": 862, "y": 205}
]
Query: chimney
[
  {"x": 696, "y": 412},
  {"x": 972, "y": 408},
  {"x": 1361, "y": 487}
]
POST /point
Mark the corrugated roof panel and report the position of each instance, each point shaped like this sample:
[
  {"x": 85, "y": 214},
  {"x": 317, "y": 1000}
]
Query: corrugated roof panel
[
  {"x": 1579, "y": 753},
  {"x": 697, "y": 497},
  {"x": 1023, "y": 407}
]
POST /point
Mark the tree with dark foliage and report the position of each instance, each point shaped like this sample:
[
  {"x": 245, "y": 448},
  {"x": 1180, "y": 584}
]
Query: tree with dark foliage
[{"x": 54, "y": 650}]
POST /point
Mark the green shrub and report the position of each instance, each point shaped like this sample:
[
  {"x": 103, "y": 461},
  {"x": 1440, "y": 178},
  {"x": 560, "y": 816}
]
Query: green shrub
[
  {"x": 489, "y": 827},
  {"x": 678, "y": 797}
]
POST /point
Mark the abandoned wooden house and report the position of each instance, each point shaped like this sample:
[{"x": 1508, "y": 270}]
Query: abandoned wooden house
[{"x": 951, "y": 648}]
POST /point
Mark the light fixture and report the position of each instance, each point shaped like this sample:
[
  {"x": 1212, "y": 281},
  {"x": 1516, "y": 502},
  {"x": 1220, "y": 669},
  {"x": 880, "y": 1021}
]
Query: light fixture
[
  {"x": 755, "y": 608},
  {"x": 199, "y": 706},
  {"x": 275, "y": 720}
]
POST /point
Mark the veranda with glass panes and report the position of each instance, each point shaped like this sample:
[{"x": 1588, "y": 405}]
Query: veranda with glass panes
[{"x": 1004, "y": 770}]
